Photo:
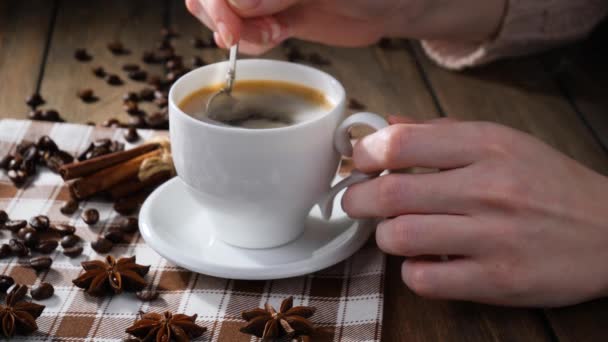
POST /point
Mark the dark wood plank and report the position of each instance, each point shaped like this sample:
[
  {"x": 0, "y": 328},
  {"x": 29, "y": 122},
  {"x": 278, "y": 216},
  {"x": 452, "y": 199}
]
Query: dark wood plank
[
  {"x": 520, "y": 94},
  {"x": 24, "y": 28},
  {"x": 92, "y": 25}
]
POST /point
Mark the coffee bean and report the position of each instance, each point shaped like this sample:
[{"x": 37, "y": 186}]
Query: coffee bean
[
  {"x": 15, "y": 163},
  {"x": 174, "y": 64},
  {"x": 130, "y": 67},
  {"x": 147, "y": 295},
  {"x": 73, "y": 252},
  {"x": 35, "y": 114},
  {"x": 6, "y": 282},
  {"x": 64, "y": 229},
  {"x": 82, "y": 55},
  {"x": 5, "y": 161},
  {"x": 31, "y": 239},
  {"x": 197, "y": 62},
  {"x": 18, "y": 177},
  {"x": 23, "y": 231},
  {"x": 131, "y": 135},
  {"x": 29, "y": 167},
  {"x": 112, "y": 122},
  {"x": 130, "y": 107},
  {"x": 51, "y": 115},
  {"x": 114, "y": 80},
  {"x": 87, "y": 95},
  {"x": 198, "y": 43},
  {"x": 55, "y": 161},
  {"x": 149, "y": 57},
  {"x": 355, "y": 105},
  {"x": 116, "y": 236},
  {"x": 90, "y": 216},
  {"x": 5, "y": 251},
  {"x": 117, "y": 48},
  {"x": 162, "y": 102},
  {"x": 69, "y": 207},
  {"x": 45, "y": 143},
  {"x": 129, "y": 225},
  {"x": 157, "y": 120},
  {"x": 40, "y": 222},
  {"x": 99, "y": 72},
  {"x": 168, "y": 33},
  {"x": 138, "y": 75},
  {"x": 137, "y": 121},
  {"x": 130, "y": 96},
  {"x": 154, "y": 81},
  {"x": 46, "y": 246},
  {"x": 34, "y": 100},
  {"x": 18, "y": 248},
  {"x": 42, "y": 291},
  {"x": 125, "y": 206},
  {"x": 102, "y": 245},
  {"x": 41, "y": 263},
  {"x": 15, "y": 225},
  {"x": 3, "y": 217},
  {"x": 69, "y": 241},
  {"x": 146, "y": 94}
]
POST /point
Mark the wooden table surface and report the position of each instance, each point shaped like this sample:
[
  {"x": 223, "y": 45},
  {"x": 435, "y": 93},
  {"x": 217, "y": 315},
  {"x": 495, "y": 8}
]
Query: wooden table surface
[{"x": 560, "y": 97}]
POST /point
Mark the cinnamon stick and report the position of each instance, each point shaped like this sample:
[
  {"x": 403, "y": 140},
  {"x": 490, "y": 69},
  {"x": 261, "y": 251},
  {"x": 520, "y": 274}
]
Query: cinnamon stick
[
  {"x": 132, "y": 186},
  {"x": 106, "y": 178},
  {"x": 87, "y": 167}
]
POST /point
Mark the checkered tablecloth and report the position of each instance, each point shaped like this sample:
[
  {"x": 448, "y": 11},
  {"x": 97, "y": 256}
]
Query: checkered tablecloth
[{"x": 348, "y": 296}]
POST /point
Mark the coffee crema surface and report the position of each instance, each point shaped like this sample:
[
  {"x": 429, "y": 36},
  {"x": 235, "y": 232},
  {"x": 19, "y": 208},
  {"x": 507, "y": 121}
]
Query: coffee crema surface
[{"x": 261, "y": 104}]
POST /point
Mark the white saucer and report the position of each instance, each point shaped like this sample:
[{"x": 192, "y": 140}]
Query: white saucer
[{"x": 173, "y": 224}]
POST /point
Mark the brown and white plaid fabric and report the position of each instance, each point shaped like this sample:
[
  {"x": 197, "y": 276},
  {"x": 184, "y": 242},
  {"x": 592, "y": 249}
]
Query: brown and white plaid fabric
[{"x": 348, "y": 296}]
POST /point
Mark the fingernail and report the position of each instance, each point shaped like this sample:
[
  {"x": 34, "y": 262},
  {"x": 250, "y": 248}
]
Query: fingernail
[
  {"x": 245, "y": 4},
  {"x": 225, "y": 34}
]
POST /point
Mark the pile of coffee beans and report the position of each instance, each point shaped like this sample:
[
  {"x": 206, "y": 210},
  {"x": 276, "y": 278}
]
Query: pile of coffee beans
[
  {"x": 100, "y": 147},
  {"x": 23, "y": 162},
  {"x": 115, "y": 234}
]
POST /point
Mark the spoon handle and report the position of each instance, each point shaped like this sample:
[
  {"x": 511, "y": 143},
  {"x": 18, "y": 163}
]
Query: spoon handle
[{"x": 232, "y": 67}]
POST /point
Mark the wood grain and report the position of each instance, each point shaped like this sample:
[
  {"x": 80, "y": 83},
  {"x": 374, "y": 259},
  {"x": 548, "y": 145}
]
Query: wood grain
[
  {"x": 92, "y": 25},
  {"x": 521, "y": 94},
  {"x": 24, "y": 27}
]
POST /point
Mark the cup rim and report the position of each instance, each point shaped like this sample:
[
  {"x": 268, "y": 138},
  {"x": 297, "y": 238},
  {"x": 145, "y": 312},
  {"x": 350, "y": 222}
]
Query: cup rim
[{"x": 181, "y": 114}]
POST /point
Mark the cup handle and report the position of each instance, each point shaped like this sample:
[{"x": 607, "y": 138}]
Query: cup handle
[{"x": 344, "y": 146}]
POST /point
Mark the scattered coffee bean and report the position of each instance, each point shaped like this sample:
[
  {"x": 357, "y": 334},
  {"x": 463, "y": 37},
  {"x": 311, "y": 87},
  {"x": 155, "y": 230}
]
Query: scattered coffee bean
[
  {"x": 174, "y": 64},
  {"x": 18, "y": 177},
  {"x": 57, "y": 160},
  {"x": 5, "y": 251},
  {"x": 161, "y": 102},
  {"x": 18, "y": 248},
  {"x": 117, "y": 48},
  {"x": 6, "y": 282},
  {"x": 51, "y": 115},
  {"x": 69, "y": 241},
  {"x": 130, "y": 67},
  {"x": 197, "y": 62},
  {"x": 87, "y": 95},
  {"x": 112, "y": 122},
  {"x": 137, "y": 121},
  {"x": 168, "y": 33},
  {"x": 64, "y": 229},
  {"x": 40, "y": 222},
  {"x": 102, "y": 245},
  {"x": 34, "y": 100},
  {"x": 125, "y": 206},
  {"x": 46, "y": 144},
  {"x": 82, "y": 55},
  {"x": 90, "y": 123},
  {"x": 149, "y": 57},
  {"x": 15, "y": 225},
  {"x": 161, "y": 94},
  {"x": 131, "y": 135},
  {"x": 5, "y": 161},
  {"x": 130, "y": 107},
  {"x": 42, "y": 291},
  {"x": 154, "y": 81},
  {"x": 99, "y": 72},
  {"x": 69, "y": 207},
  {"x": 41, "y": 263},
  {"x": 46, "y": 246},
  {"x": 35, "y": 114},
  {"x": 73, "y": 252},
  {"x": 31, "y": 239},
  {"x": 129, "y": 225},
  {"x": 157, "y": 120},
  {"x": 3, "y": 217},
  {"x": 147, "y": 295},
  {"x": 116, "y": 236},
  {"x": 130, "y": 96},
  {"x": 23, "y": 231},
  {"x": 114, "y": 80},
  {"x": 138, "y": 75},
  {"x": 146, "y": 94},
  {"x": 90, "y": 216}
]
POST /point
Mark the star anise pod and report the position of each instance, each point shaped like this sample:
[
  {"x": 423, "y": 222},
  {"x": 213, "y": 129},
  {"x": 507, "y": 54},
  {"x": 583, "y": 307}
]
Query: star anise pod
[
  {"x": 269, "y": 324},
  {"x": 165, "y": 327},
  {"x": 112, "y": 275},
  {"x": 18, "y": 316}
]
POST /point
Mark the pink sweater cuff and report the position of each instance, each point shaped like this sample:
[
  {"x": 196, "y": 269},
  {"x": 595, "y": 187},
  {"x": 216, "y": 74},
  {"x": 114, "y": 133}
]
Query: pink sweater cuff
[{"x": 528, "y": 27}]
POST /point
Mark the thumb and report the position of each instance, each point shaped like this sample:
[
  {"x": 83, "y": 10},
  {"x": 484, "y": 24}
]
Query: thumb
[{"x": 258, "y": 8}]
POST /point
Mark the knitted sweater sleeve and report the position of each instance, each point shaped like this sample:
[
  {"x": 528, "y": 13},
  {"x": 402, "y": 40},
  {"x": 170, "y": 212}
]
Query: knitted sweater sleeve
[{"x": 528, "y": 26}]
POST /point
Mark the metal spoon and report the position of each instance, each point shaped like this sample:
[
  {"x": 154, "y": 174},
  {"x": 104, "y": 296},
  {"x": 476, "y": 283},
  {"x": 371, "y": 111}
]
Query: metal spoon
[{"x": 220, "y": 104}]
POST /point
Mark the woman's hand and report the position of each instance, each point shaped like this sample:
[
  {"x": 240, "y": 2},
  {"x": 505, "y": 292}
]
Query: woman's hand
[
  {"x": 262, "y": 24},
  {"x": 522, "y": 223}
]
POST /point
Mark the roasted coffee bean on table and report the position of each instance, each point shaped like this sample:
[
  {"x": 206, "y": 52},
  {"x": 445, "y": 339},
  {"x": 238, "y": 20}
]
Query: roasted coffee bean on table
[
  {"x": 117, "y": 48},
  {"x": 5, "y": 161},
  {"x": 129, "y": 225},
  {"x": 46, "y": 144},
  {"x": 131, "y": 135},
  {"x": 90, "y": 216},
  {"x": 3, "y": 217},
  {"x": 138, "y": 75},
  {"x": 69, "y": 207},
  {"x": 15, "y": 225},
  {"x": 130, "y": 67},
  {"x": 64, "y": 229},
  {"x": 41, "y": 263},
  {"x": 112, "y": 122},
  {"x": 114, "y": 80},
  {"x": 116, "y": 236},
  {"x": 35, "y": 100},
  {"x": 149, "y": 57},
  {"x": 99, "y": 72},
  {"x": 46, "y": 246},
  {"x": 6, "y": 282},
  {"x": 18, "y": 177},
  {"x": 42, "y": 291},
  {"x": 40, "y": 222},
  {"x": 31, "y": 239},
  {"x": 146, "y": 94},
  {"x": 69, "y": 241},
  {"x": 130, "y": 96},
  {"x": 82, "y": 55},
  {"x": 23, "y": 231},
  {"x": 131, "y": 107},
  {"x": 18, "y": 248},
  {"x": 102, "y": 245},
  {"x": 87, "y": 95},
  {"x": 5, "y": 251},
  {"x": 72, "y": 252}
]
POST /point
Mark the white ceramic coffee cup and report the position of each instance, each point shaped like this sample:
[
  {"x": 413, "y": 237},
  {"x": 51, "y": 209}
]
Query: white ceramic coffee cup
[{"x": 259, "y": 185}]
